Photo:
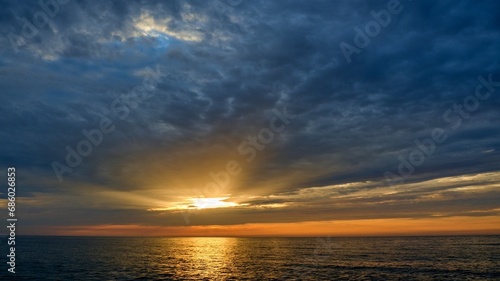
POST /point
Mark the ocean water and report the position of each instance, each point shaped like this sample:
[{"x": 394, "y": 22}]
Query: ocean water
[{"x": 376, "y": 258}]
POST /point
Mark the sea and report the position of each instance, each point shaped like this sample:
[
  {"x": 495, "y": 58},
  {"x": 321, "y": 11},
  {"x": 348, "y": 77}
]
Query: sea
[{"x": 229, "y": 258}]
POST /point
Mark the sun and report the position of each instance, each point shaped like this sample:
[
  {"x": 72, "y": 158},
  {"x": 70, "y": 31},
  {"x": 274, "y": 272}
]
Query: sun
[
  {"x": 210, "y": 203},
  {"x": 191, "y": 203}
]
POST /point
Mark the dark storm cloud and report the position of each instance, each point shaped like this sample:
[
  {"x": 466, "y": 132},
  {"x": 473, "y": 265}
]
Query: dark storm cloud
[{"x": 224, "y": 70}]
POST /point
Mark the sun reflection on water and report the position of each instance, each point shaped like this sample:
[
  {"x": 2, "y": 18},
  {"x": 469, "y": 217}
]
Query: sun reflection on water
[{"x": 206, "y": 256}]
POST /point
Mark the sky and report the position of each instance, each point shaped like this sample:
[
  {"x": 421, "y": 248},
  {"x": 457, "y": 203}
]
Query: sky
[{"x": 251, "y": 118}]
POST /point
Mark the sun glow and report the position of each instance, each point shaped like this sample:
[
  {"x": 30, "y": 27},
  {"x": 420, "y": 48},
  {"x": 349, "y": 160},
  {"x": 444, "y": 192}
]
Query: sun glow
[
  {"x": 208, "y": 203},
  {"x": 150, "y": 26},
  {"x": 198, "y": 203}
]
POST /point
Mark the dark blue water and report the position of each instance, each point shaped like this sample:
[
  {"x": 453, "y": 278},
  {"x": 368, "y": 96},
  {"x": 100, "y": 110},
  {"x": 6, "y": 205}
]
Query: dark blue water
[{"x": 383, "y": 258}]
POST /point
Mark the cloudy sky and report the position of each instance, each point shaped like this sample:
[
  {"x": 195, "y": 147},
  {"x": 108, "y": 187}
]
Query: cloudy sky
[{"x": 236, "y": 117}]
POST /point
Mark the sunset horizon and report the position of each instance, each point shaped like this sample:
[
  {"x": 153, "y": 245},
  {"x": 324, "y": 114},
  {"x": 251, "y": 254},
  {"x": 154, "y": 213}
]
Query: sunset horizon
[
  {"x": 319, "y": 229},
  {"x": 328, "y": 121}
]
